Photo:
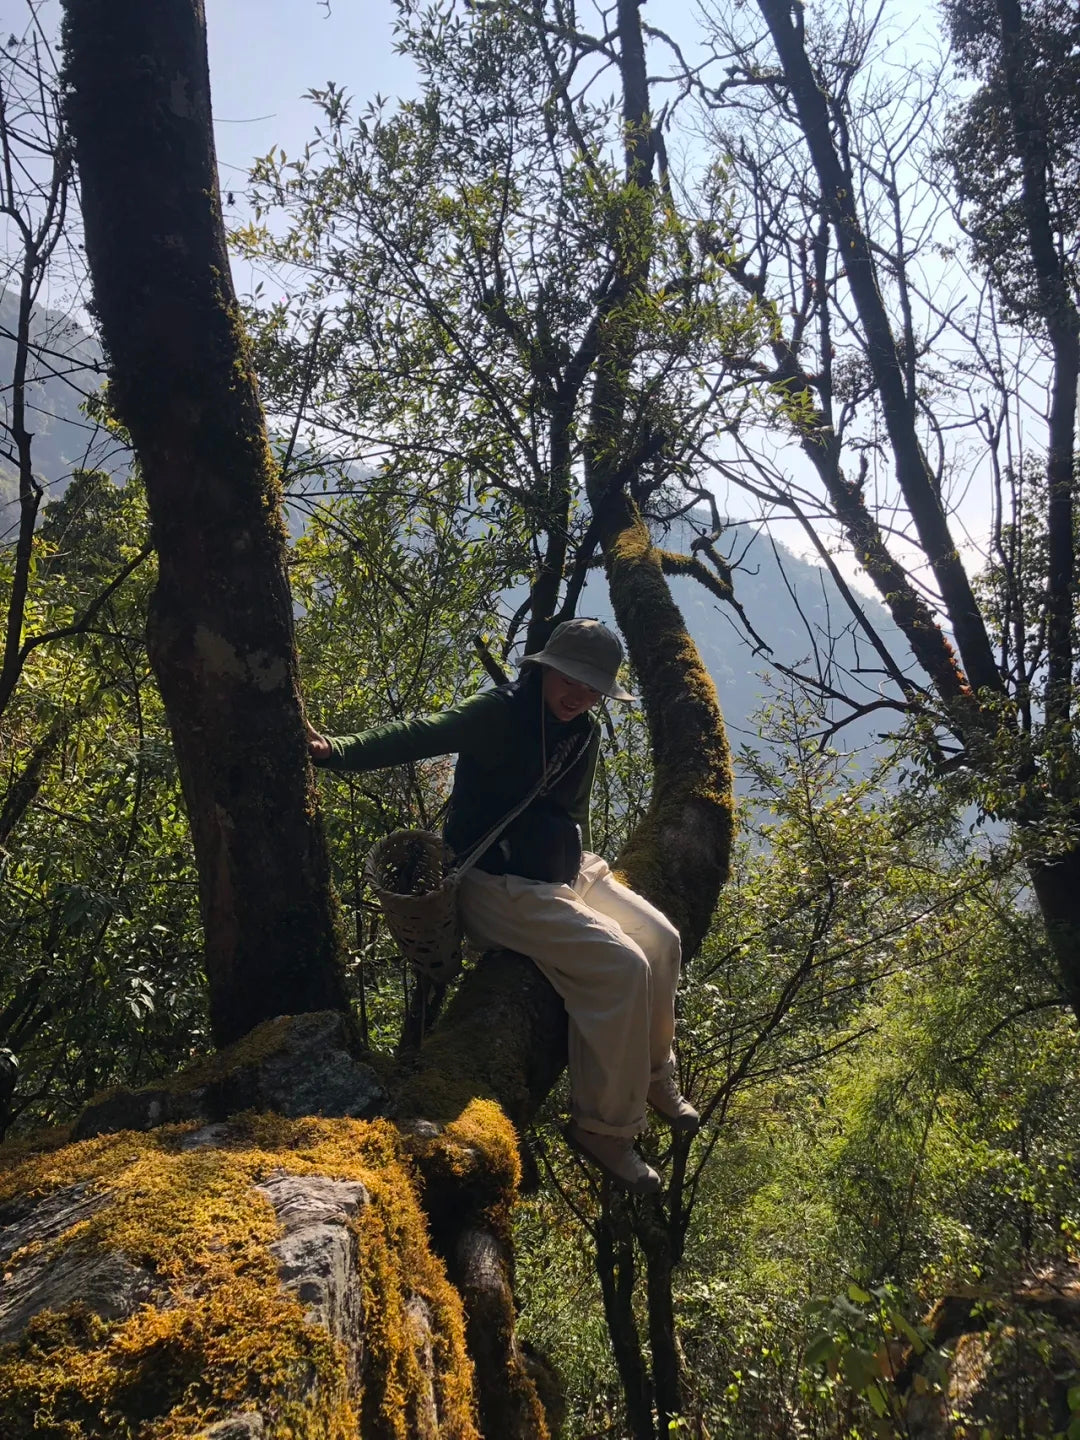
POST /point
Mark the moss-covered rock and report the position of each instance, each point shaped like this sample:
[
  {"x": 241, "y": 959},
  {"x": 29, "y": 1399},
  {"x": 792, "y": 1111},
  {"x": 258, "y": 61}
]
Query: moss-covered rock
[
  {"x": 999, "y": 1363},
  {"x": 211, "y": 1334},
  {"x": 294, "y": 1064},
  {"x": 327, "y": 1283}
]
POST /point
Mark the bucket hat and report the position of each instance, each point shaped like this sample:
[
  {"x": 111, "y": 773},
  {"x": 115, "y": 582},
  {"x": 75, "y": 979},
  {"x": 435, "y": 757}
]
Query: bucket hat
[{"x": 586, "y": 651}]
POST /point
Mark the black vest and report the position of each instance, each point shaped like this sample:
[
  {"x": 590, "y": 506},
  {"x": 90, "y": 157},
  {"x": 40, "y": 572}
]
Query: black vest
[{"x": 487, "y": 786}]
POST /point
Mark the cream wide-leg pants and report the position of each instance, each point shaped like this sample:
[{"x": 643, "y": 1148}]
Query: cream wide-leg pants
[{"x": 614, "y": 960}]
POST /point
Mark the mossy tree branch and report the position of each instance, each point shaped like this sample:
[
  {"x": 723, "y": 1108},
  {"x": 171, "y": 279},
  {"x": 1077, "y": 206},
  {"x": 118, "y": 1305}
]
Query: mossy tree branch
[{"x": 680, "y": 854}]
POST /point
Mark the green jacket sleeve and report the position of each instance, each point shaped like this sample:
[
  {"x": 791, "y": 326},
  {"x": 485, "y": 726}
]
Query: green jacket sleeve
[{"x": 469, "y": 726}]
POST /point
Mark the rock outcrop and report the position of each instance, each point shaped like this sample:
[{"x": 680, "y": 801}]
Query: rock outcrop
[
  {"x": 297, "y": 1065},
  {"x": 266, "y": 1274}
]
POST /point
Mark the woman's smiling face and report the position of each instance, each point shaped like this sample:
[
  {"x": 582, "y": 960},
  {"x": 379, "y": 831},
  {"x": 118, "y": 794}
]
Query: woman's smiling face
[{"x": 565, "y": 698}]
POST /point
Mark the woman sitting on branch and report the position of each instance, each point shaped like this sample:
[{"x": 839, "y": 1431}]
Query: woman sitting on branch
[{"x": 537, "y": 889}]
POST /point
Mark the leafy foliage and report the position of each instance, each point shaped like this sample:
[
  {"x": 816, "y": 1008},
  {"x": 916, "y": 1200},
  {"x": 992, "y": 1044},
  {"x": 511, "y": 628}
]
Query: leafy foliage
[
  {"x": 100, "y": 978},
  {"x": 451, "y": 264},
  {"x": 873, "y": 1033}
]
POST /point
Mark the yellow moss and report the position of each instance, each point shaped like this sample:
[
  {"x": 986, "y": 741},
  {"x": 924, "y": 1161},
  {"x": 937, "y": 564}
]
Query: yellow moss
[
  {"x": 225, "y": 1337},
  {"x": 476, "y": 1158},
  {"x": 485, "y": 1131}
]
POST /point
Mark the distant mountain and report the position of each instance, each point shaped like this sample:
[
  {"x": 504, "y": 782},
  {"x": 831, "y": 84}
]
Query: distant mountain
[
  {"x": 65, "y": 367},
  {"x": 794, "y": 606}
]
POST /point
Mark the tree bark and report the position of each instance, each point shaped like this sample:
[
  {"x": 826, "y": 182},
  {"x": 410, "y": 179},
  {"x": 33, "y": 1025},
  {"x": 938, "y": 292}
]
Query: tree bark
[
  {"x": 1056, "y": 883},
  {"x": 1062, "y": 320},
  {"x": 615, "y": 1267},
  {"x": 220, "y": 630},
  {"x": 912, "y": 469},
  {"x": 680, "y": 854},
  {"x": 654, "y": 1237}
]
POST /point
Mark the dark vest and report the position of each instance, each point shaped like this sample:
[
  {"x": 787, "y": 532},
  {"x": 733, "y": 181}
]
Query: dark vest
[{"x": 487, "y": 786}]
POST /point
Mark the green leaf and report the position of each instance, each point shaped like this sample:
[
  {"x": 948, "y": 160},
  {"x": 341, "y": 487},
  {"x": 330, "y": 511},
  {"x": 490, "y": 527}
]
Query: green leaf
[
  {"x": 820, "y": 1349},
  {"x": 857, "y": 1294},
  {"x": 904, "y": 1325},
  {"x": 878, "y": 1403},
  {"x": 860, "y": 1368}
]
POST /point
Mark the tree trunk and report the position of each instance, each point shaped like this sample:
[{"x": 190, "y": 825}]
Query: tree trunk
[
  {"x": 680, "y": 854},
  {"x": 616, "y": 1267},
  {"x": 1056, "y": 883},
  {"x": 912, "y": 469},
  {"x": 1063, "y": 328},
  {"x": 220, "y": 630},
  {"x": 965, "y": 696},
  {"x": 655, "y": 1240}
]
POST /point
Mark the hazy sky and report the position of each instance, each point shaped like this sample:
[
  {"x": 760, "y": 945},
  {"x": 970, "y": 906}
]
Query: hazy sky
[{"x": 264, "y": 54}]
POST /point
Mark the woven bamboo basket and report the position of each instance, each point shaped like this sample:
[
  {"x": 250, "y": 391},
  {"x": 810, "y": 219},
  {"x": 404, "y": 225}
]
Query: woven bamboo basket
[{"x": 410, "y": 873}]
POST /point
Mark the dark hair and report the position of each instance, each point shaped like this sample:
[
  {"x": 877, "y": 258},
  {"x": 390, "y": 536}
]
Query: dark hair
[{"x": 531, "y": 677}]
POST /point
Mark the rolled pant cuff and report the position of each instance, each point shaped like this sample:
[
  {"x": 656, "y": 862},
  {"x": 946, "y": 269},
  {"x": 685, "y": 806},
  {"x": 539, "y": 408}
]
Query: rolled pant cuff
[{"x": 599, "y": 1127}]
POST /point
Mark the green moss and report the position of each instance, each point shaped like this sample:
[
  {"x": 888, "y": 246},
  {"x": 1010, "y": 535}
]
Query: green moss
[
  {"x": 225, "y": 1337},
  {"x": 249, "y": 1052},
  {"x": 502, "y": 1038},
  {"x": 680, "y": 854},
  {"x": 254, "y": 1048}
]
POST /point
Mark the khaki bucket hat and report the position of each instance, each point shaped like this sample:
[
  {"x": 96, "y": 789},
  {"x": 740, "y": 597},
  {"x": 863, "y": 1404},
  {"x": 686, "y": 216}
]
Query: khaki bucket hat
[{"x": 586, "y": 651}]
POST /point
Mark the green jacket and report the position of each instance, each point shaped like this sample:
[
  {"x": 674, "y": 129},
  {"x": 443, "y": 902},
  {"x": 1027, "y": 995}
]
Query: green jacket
[{"x": 501, "y": 738}]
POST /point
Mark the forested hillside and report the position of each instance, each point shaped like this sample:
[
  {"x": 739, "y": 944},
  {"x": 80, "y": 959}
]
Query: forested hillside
[
  {"x": 262, "y": 1176},
  {"x": 64, "y": 370}
]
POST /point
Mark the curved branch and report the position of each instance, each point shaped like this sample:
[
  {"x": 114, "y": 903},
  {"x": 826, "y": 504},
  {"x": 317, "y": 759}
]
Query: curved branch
[{"x": 690, "y": 566}]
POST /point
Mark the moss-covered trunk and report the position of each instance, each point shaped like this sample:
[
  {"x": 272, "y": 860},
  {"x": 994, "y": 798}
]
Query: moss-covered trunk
[
  {"x": 680, "y": 854},
  {"x": 220, "y": 631},
  {"x": 678, "y": 858}
]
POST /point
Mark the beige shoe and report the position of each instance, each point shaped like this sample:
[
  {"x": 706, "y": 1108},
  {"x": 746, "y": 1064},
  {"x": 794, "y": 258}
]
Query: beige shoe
[
  {"x": 665, "y": 1098},
  {"x": 616, "y": 1157}
]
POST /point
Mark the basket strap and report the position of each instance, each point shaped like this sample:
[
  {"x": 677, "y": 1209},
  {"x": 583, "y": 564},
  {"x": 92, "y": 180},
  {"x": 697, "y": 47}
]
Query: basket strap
[{"x": 560, "y": 760}]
